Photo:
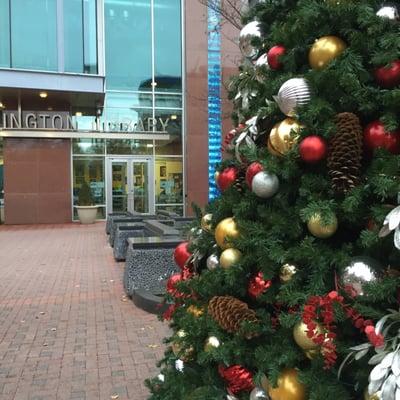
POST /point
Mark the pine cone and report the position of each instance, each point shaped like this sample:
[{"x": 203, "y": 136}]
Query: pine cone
[
  {"x": 344, "y": 161},
  {"x": 230, "y": 313},
  {"x": 240, "y": 182}
]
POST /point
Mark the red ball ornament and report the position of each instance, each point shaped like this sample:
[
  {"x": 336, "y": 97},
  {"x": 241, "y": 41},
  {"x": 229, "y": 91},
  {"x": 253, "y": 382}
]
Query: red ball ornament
[
  {"x": 313, "y": 149},
  {"x": 171, "y": 285},
  {"x": 182, "y": 254},
  {"x": 239, "y": 379},
  {"x": 273, "y": 57},
  {"x": 227, "y": 177},
  {"x": 376, "y": 137},
  {"x": 388, "y": 77},
  {"x": 258, "y": 285},
  {"x": 252, "y": 170}
]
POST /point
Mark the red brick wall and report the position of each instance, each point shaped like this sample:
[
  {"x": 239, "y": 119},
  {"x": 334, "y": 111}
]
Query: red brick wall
[{"x": 37, "y": 181}]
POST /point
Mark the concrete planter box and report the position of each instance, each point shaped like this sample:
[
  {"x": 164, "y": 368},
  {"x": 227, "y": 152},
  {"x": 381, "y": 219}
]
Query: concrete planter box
[
  {"x": 87, "y": 214},
  {"x": 149, "y": 262}
]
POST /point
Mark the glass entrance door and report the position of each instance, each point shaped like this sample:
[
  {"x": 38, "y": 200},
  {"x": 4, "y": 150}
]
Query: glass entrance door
[{"x": 130, "y": 185}]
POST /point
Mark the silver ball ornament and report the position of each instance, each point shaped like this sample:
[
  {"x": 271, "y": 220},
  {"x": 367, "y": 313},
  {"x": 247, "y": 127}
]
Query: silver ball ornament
[
  {"x": 258, "y": 394},
  {"x": 293, "y": 94},
  {"x": 389, "y": 12},
  {"x": 247, "y": 34},
  {"x": 262, "y": 61},
  {"x": 265, "y": 185},
  {"x": 231, "y": 397},
  {"x": 179, "y": 365},
  {"x": 212, "y": 262},
  {"x": 361, "y": 270}
]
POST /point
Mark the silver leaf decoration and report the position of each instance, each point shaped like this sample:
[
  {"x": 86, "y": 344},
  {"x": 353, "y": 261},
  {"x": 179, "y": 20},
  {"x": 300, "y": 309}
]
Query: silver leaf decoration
[
  {"x": 397, "y": 238},
  {"x": 388, "y": 361},
  {"x": 378, "y": 373},
  {"x": 396, "y": 364},
  {"x": 394, "y": 218},
  {"x": 397, "y": 394},
  {"x": 389, "y": 388}
]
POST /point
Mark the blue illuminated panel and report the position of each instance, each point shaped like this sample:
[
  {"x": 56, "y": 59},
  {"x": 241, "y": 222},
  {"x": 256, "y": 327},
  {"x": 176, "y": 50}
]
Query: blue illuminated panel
[{"x": 214, "y": 97}]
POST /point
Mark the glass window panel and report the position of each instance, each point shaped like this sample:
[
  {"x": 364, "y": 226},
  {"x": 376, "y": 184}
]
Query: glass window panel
[
  {"x": 169, "y": 180},
  {"x": 90, "y": 170},
  {"x": 141, "y": 187},
  {"x": 128, "y": 100},
  {"x": 128, "y": 44},
  {"x": 4, "y": 34},
  {"x": 88, "y": 146},
  {"x": 119, "y": 119},
  {"x": 175, "y": 209},
  {"x": 90, "y": 37},
  {"x": 129, "y": 147},
  {"x": 173, "y": 146},
  {"x": 34, "y": 34},
  {"x": 73, "y": 36},
  {"x": 168, "y": 44},
  {"x": 168, "y": 101},
  {"x": 119, "y": 184}
]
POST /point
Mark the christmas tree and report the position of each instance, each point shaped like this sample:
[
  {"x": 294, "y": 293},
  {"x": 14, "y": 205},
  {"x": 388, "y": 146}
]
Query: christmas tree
[{"x": 289, "y": 283}]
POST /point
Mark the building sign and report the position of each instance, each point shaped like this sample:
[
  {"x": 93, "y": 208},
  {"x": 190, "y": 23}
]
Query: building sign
[{"x": 63, "y": 121}]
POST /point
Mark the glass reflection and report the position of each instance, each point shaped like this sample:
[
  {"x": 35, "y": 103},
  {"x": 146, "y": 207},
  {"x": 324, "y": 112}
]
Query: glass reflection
[
  {"x": 34, "y": 45},
  {"x": 4, "y": 34},
  {"x": 167, "y": 40},
  {"x": 168, "y": 101},
  {"x": 169, "y": 180},
  {"x": 89, "y": 37},
  {"x": 90, "y": 170},
  {"x": 73, "y": 35},
  {"x": 88, "y": 146},
  {"x": 128, "y": 44},
  {"x": 129, "y": 147}
]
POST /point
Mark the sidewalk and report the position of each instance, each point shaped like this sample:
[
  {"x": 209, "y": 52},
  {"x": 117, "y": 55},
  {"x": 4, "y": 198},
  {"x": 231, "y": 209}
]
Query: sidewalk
[{"x": 66, "y": 329}]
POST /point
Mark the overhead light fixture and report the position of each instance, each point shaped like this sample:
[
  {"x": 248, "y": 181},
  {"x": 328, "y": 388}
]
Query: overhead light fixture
[
  {"x": 78, "y": 114},
  {"x": 153, "y": 83},
  {"x": 173, "y": 117},
  {"x": 43, "y": 95},
  {"x": 149, "y": 145},
  {"x": 49, "y": 108},
  {"x": 2, "y": 105}
]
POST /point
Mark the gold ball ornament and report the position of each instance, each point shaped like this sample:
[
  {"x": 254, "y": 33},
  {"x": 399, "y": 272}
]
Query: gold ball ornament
[
  {"x": 301, "y": 338},
  {"x": 311, "y": 354},
  {"x": 289, "y": 387},
  {"x": 216, "y": 175},
  {"x": 211, "y": 343},
  {"x": 283, "y": 136},
  {"x": 229, "y": 258},
  {"x": 287, "y": 273},
  {"x": 178, "y": 348},
  {"x": 195, "y": 311},
  {"x": 225, "y": 231},
  {"x": 325, "y": 50},
  {"x": 375, "y": 396},
  {"x": 206, "y": 222},
  {"x": 319, "y": 230}
]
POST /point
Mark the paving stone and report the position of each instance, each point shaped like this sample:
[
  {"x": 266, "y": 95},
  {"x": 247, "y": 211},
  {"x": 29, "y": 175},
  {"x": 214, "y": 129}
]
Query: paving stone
[{"x": 65, "y": 334}]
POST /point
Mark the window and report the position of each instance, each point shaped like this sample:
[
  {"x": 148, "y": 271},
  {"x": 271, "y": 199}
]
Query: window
[
  {"x": 4, "y": 34},
  {"x": 34, "y": 45},
  {"x": 90, "y": 170},
  {"x": 169, "y": 180},
  {"x": 167, "y": 45},
  {"x": 73, "y": 34},
  {"x": 128, "y": 44}
]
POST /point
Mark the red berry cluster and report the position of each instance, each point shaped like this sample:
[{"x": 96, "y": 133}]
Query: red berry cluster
[{"x": 320, "y": 308}]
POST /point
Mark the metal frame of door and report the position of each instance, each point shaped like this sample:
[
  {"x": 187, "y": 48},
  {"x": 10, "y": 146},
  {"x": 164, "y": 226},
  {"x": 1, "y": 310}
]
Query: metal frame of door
[{"x": 130, "y": 160}]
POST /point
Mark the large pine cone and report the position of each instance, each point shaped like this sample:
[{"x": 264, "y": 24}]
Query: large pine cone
[
  {"x": 230, "y": 313},
  {"x": 344, "y": 161}
]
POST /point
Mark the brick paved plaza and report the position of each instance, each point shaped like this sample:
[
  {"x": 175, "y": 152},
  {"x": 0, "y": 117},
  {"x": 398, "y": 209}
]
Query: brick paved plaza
[{"x": 66, "y": 329}]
